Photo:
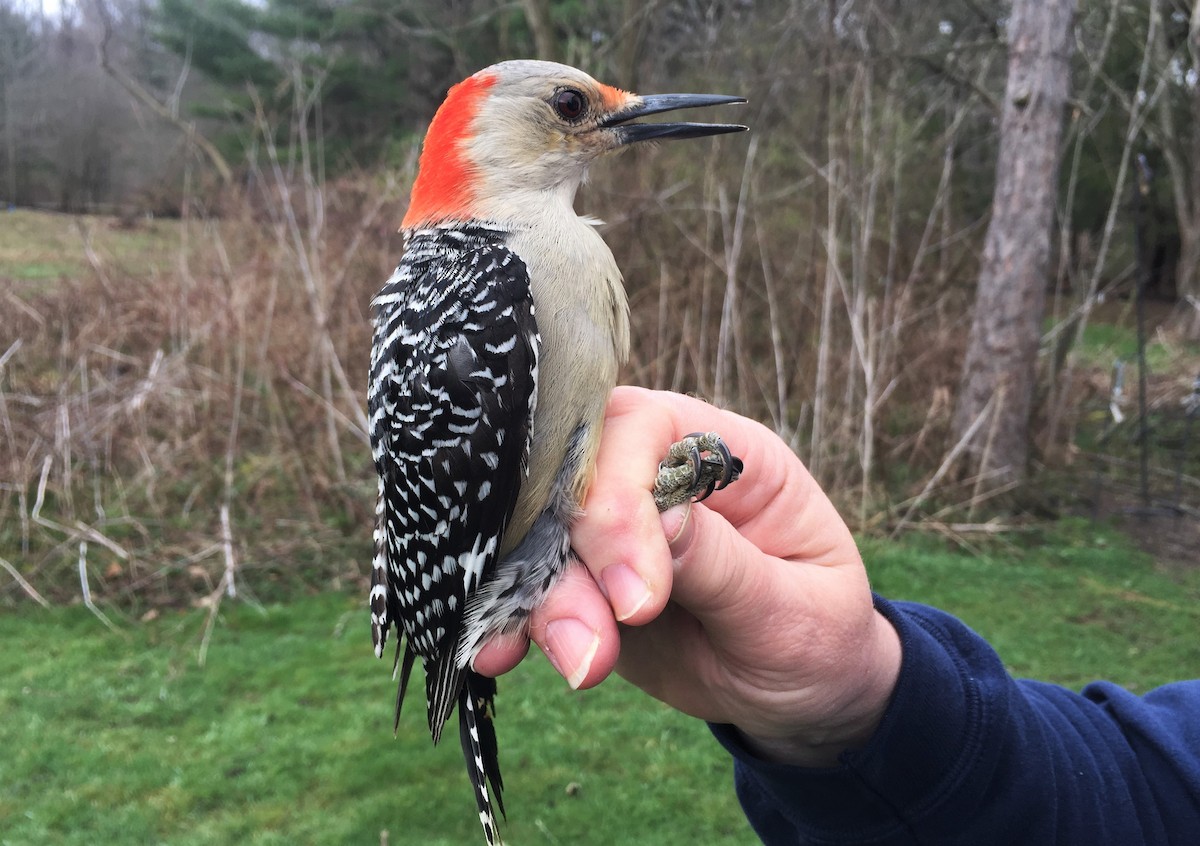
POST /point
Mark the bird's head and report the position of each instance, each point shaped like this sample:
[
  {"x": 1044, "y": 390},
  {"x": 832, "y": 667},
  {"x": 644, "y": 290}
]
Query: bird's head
[{"x": 522, "y": 128}]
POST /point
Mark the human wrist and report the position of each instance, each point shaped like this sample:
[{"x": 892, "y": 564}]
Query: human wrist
[{"x": 855, "y": 707}]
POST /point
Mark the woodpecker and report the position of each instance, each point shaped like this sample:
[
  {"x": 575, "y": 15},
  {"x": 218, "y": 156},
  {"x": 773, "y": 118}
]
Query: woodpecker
[{"x": 497, "y": 341}]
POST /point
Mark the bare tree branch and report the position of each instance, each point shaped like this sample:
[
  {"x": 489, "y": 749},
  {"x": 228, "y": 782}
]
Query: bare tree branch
[
  {"x": 537, "y": 13},
  {"x": 140, "y": 93}
]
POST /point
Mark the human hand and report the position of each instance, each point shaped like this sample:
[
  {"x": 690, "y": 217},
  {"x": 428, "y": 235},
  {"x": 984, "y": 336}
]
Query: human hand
[{"x": 751, "y": 608}]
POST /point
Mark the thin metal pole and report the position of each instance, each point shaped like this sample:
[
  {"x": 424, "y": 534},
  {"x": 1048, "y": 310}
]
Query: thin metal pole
[{"x": 1145, "y": 174}]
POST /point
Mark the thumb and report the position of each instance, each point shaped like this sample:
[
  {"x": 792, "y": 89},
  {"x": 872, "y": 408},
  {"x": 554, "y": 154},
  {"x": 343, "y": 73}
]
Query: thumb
[{"x": 722, "y": 579}]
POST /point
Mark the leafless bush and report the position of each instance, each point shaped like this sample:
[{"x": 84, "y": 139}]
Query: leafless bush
[{"x": 167, "y": 431}]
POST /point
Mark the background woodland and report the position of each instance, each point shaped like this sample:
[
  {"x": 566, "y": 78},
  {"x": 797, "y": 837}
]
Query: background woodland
[{"x": 182, "y": 403}]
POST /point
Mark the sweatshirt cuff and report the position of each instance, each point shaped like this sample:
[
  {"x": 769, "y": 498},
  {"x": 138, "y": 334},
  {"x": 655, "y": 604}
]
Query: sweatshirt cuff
[{"x": 927, "y": 740}]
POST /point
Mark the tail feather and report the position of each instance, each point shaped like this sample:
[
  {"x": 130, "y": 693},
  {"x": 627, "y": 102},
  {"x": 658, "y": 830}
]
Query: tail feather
[
  {"x": 447, "y": 685},
  {"x": 478, "y": 736},
  {"x": 405, "y": 670},
  {"x": 443, "y": 686}
]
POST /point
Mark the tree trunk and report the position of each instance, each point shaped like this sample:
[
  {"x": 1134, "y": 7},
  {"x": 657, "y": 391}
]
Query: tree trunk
[{"x": 1000, "y": 366}]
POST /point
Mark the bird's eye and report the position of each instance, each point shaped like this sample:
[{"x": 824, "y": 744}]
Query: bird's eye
[{"x": 570, "y": 104}]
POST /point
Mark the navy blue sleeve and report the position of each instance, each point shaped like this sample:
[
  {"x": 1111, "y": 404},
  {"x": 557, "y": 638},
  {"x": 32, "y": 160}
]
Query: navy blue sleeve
[{"x": 966, "y": 754}]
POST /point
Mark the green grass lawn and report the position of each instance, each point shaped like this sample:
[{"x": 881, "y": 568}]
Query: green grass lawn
[
  {"x": 1111, "y": 334},
  {"x": 1070, "y": 602},
  {"x": 284, "y": 736},
  {"x": 38, "y": 248}
]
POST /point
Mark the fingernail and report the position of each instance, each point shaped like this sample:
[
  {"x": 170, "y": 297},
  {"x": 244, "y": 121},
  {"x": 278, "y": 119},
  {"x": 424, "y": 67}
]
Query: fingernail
[
  {"x": 512, "y": 642},
  {"x": 571, "y": 646},
  {"x": 675, "y": 520},
  {"x": 627, "y": 591}
]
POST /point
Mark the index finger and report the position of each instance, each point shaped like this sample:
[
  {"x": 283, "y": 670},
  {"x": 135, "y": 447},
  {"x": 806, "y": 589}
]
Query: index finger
[{"x": 776, "y": 504}]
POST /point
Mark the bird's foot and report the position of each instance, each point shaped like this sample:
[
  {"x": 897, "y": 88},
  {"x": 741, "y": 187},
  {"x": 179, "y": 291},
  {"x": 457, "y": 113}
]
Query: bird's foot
[{"x": 694, "y": 467}]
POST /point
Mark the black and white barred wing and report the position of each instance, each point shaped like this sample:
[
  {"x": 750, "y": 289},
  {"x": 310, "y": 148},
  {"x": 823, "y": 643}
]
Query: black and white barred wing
[{"x": 453, "y": 390}]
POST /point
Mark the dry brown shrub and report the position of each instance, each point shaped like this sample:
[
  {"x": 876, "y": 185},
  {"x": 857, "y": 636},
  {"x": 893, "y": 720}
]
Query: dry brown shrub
[{"x": 136, "y": 408}]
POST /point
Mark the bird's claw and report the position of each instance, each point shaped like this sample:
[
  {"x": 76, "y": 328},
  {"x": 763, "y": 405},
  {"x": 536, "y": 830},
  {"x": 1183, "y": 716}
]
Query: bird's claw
[{"x": 694, "y": 468}]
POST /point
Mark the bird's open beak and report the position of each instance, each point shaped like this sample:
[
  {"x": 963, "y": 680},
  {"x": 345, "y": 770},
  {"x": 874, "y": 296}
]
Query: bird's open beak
[{"x": 630, "y": 133}]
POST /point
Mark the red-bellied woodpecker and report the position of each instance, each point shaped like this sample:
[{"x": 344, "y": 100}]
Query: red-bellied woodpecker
[{"x": 496, "y": 343}]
